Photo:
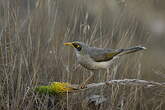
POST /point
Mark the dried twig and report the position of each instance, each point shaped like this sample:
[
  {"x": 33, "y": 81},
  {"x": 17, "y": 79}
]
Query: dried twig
[{"x": 128, "y": 82}]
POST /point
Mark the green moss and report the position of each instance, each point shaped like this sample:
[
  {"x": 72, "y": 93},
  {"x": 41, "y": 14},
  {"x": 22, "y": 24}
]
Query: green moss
[{"x": 45, "y": 90}]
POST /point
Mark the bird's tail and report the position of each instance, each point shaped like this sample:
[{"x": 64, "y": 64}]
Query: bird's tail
[{"x": 132, "y": 50}]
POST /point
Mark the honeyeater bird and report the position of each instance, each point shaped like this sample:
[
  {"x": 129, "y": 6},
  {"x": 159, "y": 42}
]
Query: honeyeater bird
[{"x": 94, "y": 58}]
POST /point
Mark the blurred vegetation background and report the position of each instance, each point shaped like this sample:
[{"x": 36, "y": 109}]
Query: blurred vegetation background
[{"x": 32, "y": 33}]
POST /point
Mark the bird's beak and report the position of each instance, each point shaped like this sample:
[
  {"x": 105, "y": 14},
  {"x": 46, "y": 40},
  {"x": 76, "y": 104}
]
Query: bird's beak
[{"x": 68, "y": 44}]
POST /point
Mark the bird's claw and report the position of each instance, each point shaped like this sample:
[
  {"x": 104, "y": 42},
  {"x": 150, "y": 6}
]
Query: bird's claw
[
  {"x": 107, "y": 83},
  {"x": 82, "y": 86}
]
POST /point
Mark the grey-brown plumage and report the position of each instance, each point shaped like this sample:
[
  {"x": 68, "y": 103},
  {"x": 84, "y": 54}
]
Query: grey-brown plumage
[{"x": 98, "y": 58}]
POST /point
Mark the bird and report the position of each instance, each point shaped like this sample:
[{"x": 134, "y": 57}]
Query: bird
[{"x": 93, "y": 58}]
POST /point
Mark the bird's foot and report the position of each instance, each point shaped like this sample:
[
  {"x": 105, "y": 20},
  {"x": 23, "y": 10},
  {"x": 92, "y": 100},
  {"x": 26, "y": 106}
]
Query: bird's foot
[
  {"x": 82, "y": 86},
  {"x": 107, "y": 83}
]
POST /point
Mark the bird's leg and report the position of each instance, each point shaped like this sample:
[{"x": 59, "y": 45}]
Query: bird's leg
[
  {"x": 83, "y": 85},
  {"x": 76, "y": 67},
  {"x": 107, "y": 74}
]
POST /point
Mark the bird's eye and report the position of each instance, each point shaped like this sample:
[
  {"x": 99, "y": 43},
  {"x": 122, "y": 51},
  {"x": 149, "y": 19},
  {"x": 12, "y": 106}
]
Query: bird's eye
[{"x": 77, "y": 46}]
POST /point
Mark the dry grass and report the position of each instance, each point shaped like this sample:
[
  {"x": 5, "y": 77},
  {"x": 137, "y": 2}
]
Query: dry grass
[{"x": 32, "y": 52}]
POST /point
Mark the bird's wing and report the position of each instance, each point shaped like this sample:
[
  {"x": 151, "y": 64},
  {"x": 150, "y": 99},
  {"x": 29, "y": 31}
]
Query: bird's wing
[{"x": 99, "y": 54}]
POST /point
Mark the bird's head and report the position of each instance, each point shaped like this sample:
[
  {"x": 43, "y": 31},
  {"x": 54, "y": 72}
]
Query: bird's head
[{"x": 78, "y": 46}]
